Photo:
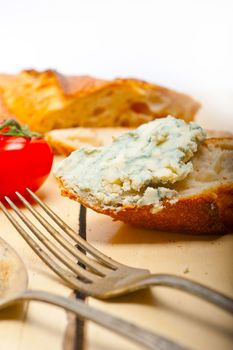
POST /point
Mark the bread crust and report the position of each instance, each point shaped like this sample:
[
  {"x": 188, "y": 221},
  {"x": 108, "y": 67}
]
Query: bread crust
[
  {"x": 4, "y": 111},
  {"x": 210, "y": 212},
  {"x": 44, "y": 100},
  {"x": 6, "y": 80}
]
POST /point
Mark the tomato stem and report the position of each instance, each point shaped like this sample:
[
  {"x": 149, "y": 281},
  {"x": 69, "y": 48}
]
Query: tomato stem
[{"x": 11, "y": 127}]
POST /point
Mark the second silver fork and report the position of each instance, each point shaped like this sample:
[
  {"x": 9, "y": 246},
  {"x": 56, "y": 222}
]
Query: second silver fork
[{"x": 98, "y": 276}]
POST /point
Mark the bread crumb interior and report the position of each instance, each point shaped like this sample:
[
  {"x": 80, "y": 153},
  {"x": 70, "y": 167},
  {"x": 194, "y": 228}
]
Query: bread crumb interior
[{"x": 212, "y": 166}]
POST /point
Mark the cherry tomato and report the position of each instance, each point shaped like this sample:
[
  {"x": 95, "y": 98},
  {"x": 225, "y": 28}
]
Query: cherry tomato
[{"x": 25, "y": 161}]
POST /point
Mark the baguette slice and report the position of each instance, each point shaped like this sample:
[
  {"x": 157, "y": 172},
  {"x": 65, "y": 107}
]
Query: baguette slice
[
  {"x": 204, "y": 204},
  {"x": 49, "y": 100},
  {"x": 65, "y": 141}
]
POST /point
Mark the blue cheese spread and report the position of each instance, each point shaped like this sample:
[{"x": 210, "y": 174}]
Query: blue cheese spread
[{"x": 138, "y": 168}]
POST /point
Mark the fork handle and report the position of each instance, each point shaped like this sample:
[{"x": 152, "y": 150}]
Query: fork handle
[
  {"x": 124, "y": 328},
  {"x": 189, "y": 286}
]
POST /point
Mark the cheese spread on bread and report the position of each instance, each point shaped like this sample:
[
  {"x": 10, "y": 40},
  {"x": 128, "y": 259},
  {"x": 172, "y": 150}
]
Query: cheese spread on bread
[{"x": 138, "y": 168}]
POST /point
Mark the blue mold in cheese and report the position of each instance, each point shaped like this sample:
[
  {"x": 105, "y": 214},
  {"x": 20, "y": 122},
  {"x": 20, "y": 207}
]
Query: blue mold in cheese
[{"x": 138, "y": 168}]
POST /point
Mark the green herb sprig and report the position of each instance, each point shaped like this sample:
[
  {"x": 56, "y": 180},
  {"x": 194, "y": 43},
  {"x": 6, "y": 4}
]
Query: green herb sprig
[{"x": 13, "y": 128}]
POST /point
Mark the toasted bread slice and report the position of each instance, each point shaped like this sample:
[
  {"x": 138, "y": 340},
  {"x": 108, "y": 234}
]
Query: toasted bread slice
[
  {"x": 204, "y": 204},
  {"x": 49, "y": 100},
  {"x": 65, "y": 141}
]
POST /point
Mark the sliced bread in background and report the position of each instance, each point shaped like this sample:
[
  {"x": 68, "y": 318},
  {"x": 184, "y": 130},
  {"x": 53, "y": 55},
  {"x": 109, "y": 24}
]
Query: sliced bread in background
[
  {"x": 65, "y": 141},
  {"x": 49, "y": 100}
]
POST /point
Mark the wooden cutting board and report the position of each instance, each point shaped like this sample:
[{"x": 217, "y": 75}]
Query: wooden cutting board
[{"x": 192, "y": 322}]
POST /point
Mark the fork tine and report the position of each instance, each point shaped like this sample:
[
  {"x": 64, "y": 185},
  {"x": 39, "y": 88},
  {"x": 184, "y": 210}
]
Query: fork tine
[
  {"x": 79, "y": 240},
  {"x": 94, "y": 266},
  {"x": 51, "y": 246},
  {"x": 64, "y": 274}
]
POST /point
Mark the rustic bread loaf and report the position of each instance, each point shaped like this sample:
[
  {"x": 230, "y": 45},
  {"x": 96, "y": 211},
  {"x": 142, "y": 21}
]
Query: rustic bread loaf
[{"x": 49, "y": 100}]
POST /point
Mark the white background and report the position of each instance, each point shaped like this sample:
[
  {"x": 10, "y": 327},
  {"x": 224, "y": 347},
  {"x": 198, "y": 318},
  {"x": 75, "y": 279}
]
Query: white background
[{"x": 183, "y": 44}]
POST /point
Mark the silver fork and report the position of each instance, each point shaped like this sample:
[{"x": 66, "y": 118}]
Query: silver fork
[{"x": 98, "y": 275}]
